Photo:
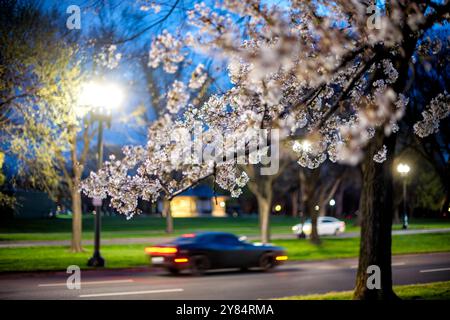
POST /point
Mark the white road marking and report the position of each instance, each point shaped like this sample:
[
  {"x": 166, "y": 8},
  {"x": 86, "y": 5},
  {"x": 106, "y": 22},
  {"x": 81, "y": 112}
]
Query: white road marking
[
  {"x": 395, "y": 264},
  {"x": 128, "y": 293},
  {"x": 435, "y": 270},
  {"x": 86, "y": 283}
]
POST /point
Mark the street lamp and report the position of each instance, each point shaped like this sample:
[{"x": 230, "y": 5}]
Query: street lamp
[
  {"x": 99, "y": 98},
  {"x": 404, "y": 169}
]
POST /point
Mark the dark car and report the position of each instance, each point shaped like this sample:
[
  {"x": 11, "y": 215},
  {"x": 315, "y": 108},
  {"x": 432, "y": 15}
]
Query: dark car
[{"x": 204, "y": 251}]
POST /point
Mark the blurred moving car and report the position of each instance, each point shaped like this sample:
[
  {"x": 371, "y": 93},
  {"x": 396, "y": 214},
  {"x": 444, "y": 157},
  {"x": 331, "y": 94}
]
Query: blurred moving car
[
  {"x": 325, "y": 226},
  {"x": 199, "y": 252}
]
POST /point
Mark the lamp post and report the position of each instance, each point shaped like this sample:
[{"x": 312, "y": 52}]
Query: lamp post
[
  {"x": 99, "y": 97},
  {"x": 332, "y": 204},
  {"x": 404, "y": 169}
]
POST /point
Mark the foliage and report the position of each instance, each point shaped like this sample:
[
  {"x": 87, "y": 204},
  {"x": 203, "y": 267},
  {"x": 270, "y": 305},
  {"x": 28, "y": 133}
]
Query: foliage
[
  {"x": 5, "y": 200},
  {"x": 315, "y": 70},
  {"x": 39, "y": 83}
]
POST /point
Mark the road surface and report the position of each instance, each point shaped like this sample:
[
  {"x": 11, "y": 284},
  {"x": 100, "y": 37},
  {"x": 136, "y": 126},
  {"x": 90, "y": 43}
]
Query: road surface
[
  {"x": 291, "y": 279},
  {"x": 49, "y": 243}
]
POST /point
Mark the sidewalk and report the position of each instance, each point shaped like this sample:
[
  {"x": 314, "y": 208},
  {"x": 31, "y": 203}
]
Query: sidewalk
[{"x": 149, "y": 240}]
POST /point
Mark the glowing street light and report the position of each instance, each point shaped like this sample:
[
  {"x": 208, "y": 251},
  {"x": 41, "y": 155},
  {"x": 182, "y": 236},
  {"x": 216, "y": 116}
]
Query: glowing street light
[
  {"x": 99, "y": 98},
  {"x": 332, "y": 202},
  {"x": 278, "y": 208},
  {"x": 404, "y": 170}
]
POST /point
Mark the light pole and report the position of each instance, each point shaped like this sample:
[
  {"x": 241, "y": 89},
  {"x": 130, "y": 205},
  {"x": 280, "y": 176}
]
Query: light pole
[
  {"x": 100, "y": 97},
  {"x": 332, "y": 204},
  {"x": 404, "y": 169}
]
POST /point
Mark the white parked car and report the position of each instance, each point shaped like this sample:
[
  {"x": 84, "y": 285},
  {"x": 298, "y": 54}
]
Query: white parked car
[{"x": 325, "y": 226}]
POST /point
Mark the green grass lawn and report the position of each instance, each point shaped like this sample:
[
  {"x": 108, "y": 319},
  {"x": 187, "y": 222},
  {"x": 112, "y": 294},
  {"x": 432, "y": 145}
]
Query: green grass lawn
[
  {"x": 59, "y": 258},
  {"x": 140, "y": 226},
  {"x": 348, "y": 248},
  {"x": 144, "y": 226},
  {"x": 428, "y": 291},
  {"x": 121, "y": 256}
]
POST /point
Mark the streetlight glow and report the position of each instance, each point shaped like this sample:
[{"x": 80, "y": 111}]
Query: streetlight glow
[
  {"x": 99, "y": 95},
  {"x": 100, "y": 98},
  {"x": 403, "y": 168},
  {"x": 278, "y": 208},
  {"x": 332, "y": 202}
]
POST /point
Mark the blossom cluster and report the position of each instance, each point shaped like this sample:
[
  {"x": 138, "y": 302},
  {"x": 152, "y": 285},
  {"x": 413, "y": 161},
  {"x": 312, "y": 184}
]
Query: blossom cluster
[
  {"x": 165, "y": 50},
  {"x": 315, "y": 72},
  {"x": 438, "y": 109}
]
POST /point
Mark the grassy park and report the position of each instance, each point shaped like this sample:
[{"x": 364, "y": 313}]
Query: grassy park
[
  {"x": 138, "y": 227},
  {"x": 132, "y": 255},
  {"x": 126, "y": 124},
  {"x": 142, "y": 226},
  {"x": 428, "y": 291}
]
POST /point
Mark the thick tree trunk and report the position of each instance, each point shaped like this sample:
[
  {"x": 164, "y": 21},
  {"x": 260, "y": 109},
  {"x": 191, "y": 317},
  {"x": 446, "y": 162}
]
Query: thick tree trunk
[
  {"x": 446, "y": 203},
  {"x": 307, "y": 185},
  {"x": 340, "y": 202},
  {"x": 294, "y": 203},
  {"x": 76, "y": 245},
  {"x": 396, "y": 219},
  {"x": 168, "y": 214},
  {"x": 376, "y": 208},
  {"x": 264, "y": 206},
  {"x": 74, "y": 186},
  {"x": 314, "y": 237}
]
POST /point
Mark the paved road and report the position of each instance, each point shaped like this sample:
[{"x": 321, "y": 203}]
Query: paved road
[
  {"x": 26, "y": 243},
  {"x": 290, "y": 279}
]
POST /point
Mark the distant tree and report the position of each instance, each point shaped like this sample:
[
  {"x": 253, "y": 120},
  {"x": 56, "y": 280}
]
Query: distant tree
[
  {"x": 5, "y": 200},
  {"x": 425, "y": 188},
  {"x": 317, "y": 188},
  {"x": 432, "y": 75},
  {"x": 40, "y": 82}
]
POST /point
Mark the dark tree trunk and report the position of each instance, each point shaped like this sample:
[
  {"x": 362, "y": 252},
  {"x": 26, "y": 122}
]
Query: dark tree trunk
[
  {"x": 340, "y": 202},
  {"x": 396, "y": 215},
  {"x": 314, "y": 237},
  {"x": 77, "y": 227},
  {"x": 264, "y": 208},
  {"x": 446, "y": 204},
  {"x": 167, "y": 213},
  {"x": 76, "y": 245},
  {"x": 376, "y": 209},
  {"x": 294, "y": 203},
  {"x": 308, "y": 183}
]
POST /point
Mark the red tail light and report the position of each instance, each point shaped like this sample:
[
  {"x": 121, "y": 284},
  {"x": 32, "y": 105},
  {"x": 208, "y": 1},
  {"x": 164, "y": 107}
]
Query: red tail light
[
  {"x": 188, "y": 235},
  {"x": 161, "y": 250}
]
